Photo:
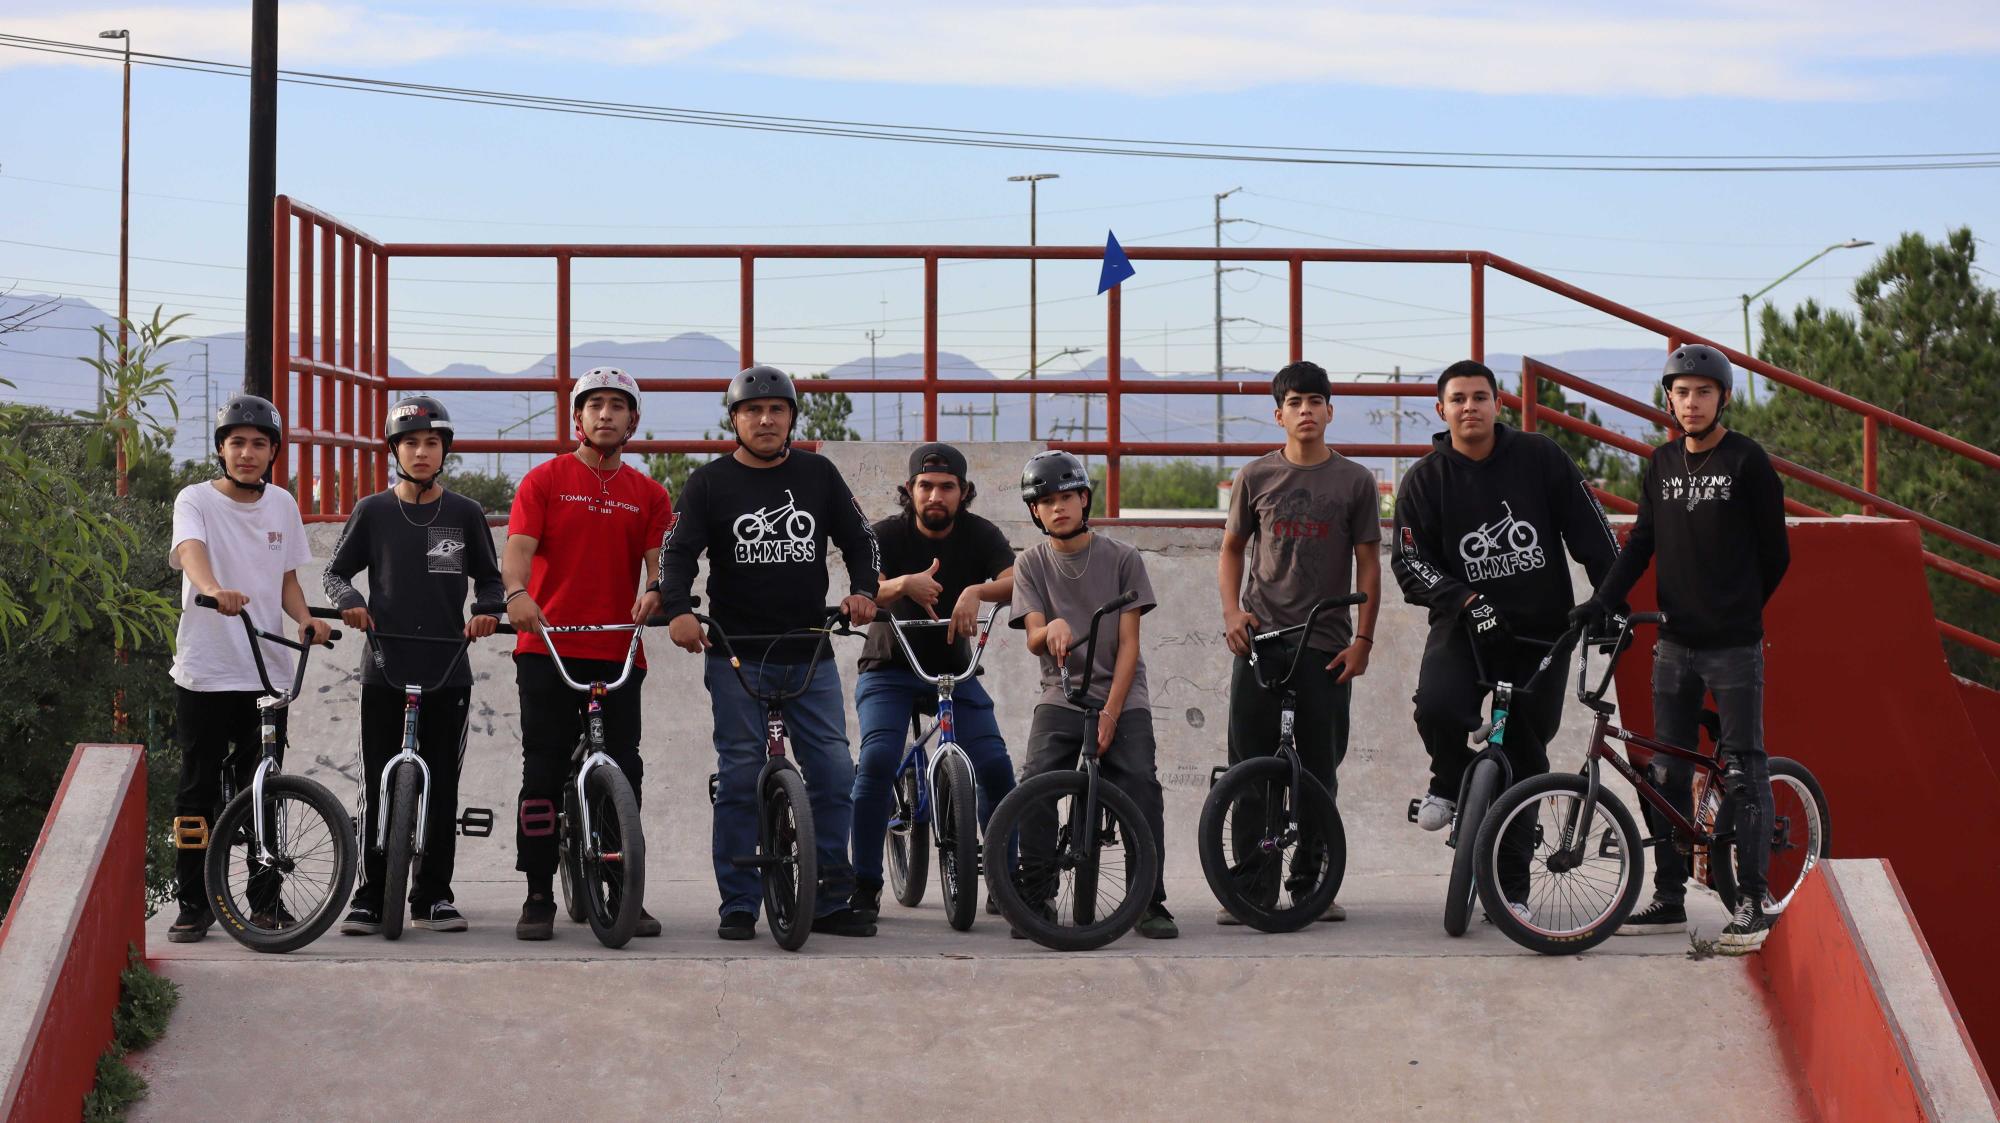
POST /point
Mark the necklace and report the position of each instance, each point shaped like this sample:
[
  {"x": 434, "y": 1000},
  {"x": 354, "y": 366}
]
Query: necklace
[
  {"x": 1055, "y": 556},
  {"x": 1691, "y": 468},
  {"x": 437, "y": 509},
  {"x": 603, "y": 481}
]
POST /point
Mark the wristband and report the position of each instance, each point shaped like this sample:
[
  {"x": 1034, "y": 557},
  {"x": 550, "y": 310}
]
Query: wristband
[
  {"x": 510, "y": 597},
  {"x": 1370, "y": 639}
]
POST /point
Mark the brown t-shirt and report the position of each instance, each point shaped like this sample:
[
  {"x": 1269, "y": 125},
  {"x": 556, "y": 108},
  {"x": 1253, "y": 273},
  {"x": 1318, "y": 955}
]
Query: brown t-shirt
[
  {"x": 1302, "y": 524},
  {"x": 1070, "y": 587}
]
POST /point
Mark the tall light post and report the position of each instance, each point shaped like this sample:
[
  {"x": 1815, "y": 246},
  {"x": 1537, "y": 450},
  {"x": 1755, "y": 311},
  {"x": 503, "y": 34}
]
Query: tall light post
[
  {"x": 1032, "y": 180},
  {"x": 1220, "y": 196},
  {"x": 124, "y": 193},
  {"x": 1851, "y": 244}
]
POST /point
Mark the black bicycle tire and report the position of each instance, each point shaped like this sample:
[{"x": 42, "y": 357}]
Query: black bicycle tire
[
  {"x": 791, "y": 924},
  {"x": 235, "y": 818},
  {"x": 397, "y": 855},
  {"x": 1142, "y": 855},
  {"x": 569, "y": 860},
  {"x": 1494, "y": 899},
  {"x": 906, "y": 855},
  {"x": 1480, "y": 791},
  {"x": 614, "y": 929},
  {"x": 1722, "y": 867},
  {"x": 955, "y": 811},
  {"x": 1218, "y": 868}
]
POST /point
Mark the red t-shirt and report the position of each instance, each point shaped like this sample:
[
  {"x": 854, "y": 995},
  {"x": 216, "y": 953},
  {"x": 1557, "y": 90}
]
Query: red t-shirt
[{"x": 592, "y": 537}]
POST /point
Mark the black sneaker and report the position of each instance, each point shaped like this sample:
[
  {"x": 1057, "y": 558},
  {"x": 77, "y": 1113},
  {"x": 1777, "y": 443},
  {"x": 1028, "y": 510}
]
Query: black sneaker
[
  {"x": 648, "y": 926},
  {"x": 1746, "y": 932},
  {"x": 1156, "y": 923},
  {"x": 438, "y": 916},
  {"x": 191, "y": 925},
  {"x": 277, "y": 918},
  {"x": 867, "y": 899},
  {"x": 1657, "y": 917},
  {"x": 844, "y": 922},
  {"x": 538, "y": 918},
  {"x": 737, "y": 925},
  {"x": 362, "y": 920},
  {"x": 1040, "y": 908}
]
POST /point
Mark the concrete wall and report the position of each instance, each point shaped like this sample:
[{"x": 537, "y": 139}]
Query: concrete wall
[{"x": 1187, "y": 668}]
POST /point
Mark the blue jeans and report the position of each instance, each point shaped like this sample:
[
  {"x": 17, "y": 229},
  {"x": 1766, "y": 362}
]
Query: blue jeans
[
  {"x": 817, "y": 724},
  {"x": 882, "y": 702},
  {"x": 1735, "y": 677}
]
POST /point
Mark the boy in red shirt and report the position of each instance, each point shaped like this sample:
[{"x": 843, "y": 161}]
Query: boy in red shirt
[{"x": 581, "y": 526}]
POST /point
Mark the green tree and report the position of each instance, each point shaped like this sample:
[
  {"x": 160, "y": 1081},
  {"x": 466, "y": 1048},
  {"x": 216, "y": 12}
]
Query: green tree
[
  {"x": 1612, "y": 469},
  {"x": 823, "y": 417},
  {"x": 493, "y": 491},
  {"x": 132, "y": 383},
  {"x": 670, "y": 468},
  {"x": 1174, "y": 485},
  {"x": 1924, "y": 343}
]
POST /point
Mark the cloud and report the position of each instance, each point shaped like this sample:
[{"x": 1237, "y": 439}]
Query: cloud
[{"x": 1763, "y": 49}]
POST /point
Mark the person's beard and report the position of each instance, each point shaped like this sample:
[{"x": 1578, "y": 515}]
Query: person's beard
[{"x": 937, "y": 522}]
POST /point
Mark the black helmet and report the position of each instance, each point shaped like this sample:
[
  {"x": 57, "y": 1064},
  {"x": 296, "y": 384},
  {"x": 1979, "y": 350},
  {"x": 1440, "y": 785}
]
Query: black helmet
[
  {"x": 760, "y": 382},
  {"x": 1699, "y": 361},
  {"x": 1048, "y": 473},
  {"x": 249, "y": 409},
  {"x": 937, "y": 457},
  {"x": 415, "y": 415}
]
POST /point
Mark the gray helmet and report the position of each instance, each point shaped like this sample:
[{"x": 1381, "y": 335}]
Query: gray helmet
[
  {"x": 760, "y": 382},
  {"x": 417, "y": 415},
  {"x": 1698, "y": 361},
  {"x": 249, "y": 409}
]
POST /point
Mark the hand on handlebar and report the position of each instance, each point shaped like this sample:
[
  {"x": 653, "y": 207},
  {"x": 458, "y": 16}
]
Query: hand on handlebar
[
  {"x": 1591, "y": 615},
  {"x": 314, "y": 630},
  {"x": 858, "y": 609},
  {"x": 1058, "y": 638},
  {"x": 1491, "y": 633},
  {"x": 481, "y": 625},
  {"x": 525, "y": 615},
  {"x": 964, "y": 617},
  {"x": 646, "y": 607},
  {"x": 1237, "y": 628},
  {"x": 358, "y": 619},
  {"x": 229, "y": 602},
  {"x": 687, "y": 633}
]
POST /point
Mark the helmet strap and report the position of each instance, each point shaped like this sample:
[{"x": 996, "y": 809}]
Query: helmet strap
[{"x": 254, "y": 489}]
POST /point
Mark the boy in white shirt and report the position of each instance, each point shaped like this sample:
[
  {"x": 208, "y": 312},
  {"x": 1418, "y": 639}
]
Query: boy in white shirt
[{"x": 238, "y": 540}]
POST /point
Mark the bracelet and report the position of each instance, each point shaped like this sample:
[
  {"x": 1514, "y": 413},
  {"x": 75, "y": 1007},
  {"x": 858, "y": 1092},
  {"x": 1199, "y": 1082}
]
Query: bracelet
[
  {"x": 1370, "y": 639},
  {"x": 512, "y": 595}
]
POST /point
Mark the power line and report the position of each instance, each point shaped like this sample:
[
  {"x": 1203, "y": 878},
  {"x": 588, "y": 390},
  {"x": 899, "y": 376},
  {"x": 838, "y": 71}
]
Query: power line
[{"x": 1058, "y": 142}]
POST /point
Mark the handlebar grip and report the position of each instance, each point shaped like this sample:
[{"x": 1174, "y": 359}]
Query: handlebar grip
[
  {"x": 324, "y": 613},
  {"x": 490, "y": 608},
  {"x": 1123, "y": 599},
  {"x": 1638, "y": 618},
  {"x": 332, "y": 635},
  {"x": 694, "y": 602},
  {"x": 505, "y": 629},
  {"x": 1345, "y": 600},
  {"x": 204, "y": 600},
  {"x": 659, "y": 621}
]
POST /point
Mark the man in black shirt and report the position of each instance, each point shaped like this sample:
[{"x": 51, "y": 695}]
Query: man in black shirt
[
  {"x": 944, "y": 556},
  {"x": 1713, "y": 509},
  {"x": 420, "y": 545},
  {"x": 763, "y": 515},
  {"x": 1481, "y": 523}
]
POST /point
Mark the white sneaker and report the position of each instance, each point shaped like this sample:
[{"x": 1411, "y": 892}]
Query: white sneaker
[
  {"x": 1521, "y": 911},
  {"x": 1435, "y": 813}
]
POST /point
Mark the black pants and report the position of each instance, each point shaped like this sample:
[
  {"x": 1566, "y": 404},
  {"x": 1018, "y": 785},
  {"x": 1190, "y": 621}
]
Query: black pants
[
  {"x": 218, "y": 734},
  {"x": 1054, "y": 740},
  {"x": 552, "y": 721},
  {"x": 441, "y": 743},
  {"x": 1735, "y": 676},
  {"x": 1319, "y": 725},
  {"x": 1449, "y": 705}
]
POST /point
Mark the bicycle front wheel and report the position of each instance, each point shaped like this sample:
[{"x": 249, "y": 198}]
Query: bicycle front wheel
[
  {"x": 1480, "y": 790},
  {"x": 957, "y": 818},
  {"x": 402, "y": 813},
  {"x": 1268, "y": 875},
  {"x": 1577, "y": 893},
  {"x": 569, "y": 858},
  {"x": 789, "y": 859},
  {"x": 613, "y": 865},
  {"x": 284, "y": 893},
  {"x": 1799, "y": 830},
  {"x": 907, "y": 853},
  {"x": 1060, "y": 895}
]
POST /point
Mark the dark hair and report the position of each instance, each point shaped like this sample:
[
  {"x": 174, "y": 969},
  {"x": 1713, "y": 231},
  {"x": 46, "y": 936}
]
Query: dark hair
[
  {"x": 1467, "y": 368},
  {"x": 1302, "y": 376},
  {"x": 909, "y": 505}
]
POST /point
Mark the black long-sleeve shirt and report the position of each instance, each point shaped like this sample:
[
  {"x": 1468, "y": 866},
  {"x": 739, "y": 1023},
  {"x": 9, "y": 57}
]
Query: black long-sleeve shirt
[
  {"x": 1717, "y": 522},
  {"x": 419, "y": 561},
  {"x": 765, "y": 532},
  {"x": 1490, "y": 526}
]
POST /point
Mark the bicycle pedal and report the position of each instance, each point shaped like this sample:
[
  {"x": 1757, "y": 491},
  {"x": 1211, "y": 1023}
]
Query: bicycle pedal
[
  {"x": 190, "y": 832},
  {"x": 1414, "y": 804},
  {"x": 714, "y": 787},
  {"x": 1215, "y": 775},
  {"x": 476, "y": 822}
]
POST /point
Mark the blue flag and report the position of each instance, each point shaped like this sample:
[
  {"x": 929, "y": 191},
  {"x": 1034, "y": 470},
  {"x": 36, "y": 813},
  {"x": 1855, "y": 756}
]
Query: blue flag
[{"x": 1116, "y": 268}]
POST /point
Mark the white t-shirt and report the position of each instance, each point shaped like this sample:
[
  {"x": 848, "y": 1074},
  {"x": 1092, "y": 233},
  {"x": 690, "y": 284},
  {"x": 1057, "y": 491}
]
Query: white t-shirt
[{"x": 251, "y": 546}]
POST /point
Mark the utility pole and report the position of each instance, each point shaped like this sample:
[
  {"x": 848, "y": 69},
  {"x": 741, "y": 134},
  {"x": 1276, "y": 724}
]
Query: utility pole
[
  {"x": 1218, "y": 316},
  {"x": 207, "y": 386},
  {"x": 1394, "y": 414},
  {"x": 874, "y": 396},
  {"x": 100, "y": 374},
  {"x": 1032, "y": 181},
  {"x": 263, "y": 191},
  {"x": 968, "y": 413}
]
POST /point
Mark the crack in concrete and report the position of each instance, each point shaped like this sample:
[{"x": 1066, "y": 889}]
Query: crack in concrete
[{"x": 736, "y": 1042}]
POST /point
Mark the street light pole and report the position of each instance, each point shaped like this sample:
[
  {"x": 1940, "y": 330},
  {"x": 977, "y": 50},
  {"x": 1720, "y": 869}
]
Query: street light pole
[
  {"x": 1218, "y": 318},
  {"x": 1851, "y": 244},
  {"x": 124, "y": 195},
  {"x": 1032, "y": 181}
]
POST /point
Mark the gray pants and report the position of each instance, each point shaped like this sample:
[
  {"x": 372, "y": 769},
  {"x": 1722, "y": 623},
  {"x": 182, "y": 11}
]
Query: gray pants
[
  {"x": 1054, "y": 740},
  {"x": 1735, "y": 676}
]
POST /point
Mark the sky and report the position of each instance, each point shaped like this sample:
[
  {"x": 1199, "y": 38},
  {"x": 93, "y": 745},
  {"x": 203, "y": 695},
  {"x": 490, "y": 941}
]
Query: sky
[{"x": 1744, "y": 79}]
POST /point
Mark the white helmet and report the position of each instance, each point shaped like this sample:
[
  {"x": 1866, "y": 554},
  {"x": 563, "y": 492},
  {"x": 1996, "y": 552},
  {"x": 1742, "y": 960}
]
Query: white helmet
[{"x": 603, "y": 378}]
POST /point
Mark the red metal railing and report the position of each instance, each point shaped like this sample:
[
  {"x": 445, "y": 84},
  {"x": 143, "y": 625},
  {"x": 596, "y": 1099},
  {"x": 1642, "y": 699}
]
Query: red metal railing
[{"x": 335, "y": 401}]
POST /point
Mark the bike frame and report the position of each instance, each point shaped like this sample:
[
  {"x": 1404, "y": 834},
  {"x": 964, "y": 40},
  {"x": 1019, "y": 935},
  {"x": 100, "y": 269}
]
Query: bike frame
[
  {"x": 943, "y": 728},
  {"x": 1079, "y": 696}
]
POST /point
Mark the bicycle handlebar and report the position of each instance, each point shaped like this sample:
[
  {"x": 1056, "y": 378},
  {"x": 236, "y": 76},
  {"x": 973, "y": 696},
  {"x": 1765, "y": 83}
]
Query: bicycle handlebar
[
  {"x": 255, "y": 633},
  {"x": 1595, "y": 698},
  {"x": 836, "y": 625},
  {"x": 1081, "y": 692},
  {"x": 916, "y": 665},
  {"x": 376, "y": 635},
  {"x": 1344, "y": 600}
]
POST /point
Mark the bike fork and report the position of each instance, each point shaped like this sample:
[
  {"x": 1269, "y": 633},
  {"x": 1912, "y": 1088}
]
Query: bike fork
[
  {"x": 411, "y": 699},
  {"x": 262, "y": 848}
]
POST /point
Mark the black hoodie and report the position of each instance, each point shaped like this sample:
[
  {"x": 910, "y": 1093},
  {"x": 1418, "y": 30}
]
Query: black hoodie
[{"x": 1490, "y": 526}]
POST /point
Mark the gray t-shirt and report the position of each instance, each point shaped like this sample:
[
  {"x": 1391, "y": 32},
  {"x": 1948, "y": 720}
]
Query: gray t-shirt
[
  {"x": 1302, "y": 523},
  {"x": 1070, "y": 587}
]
